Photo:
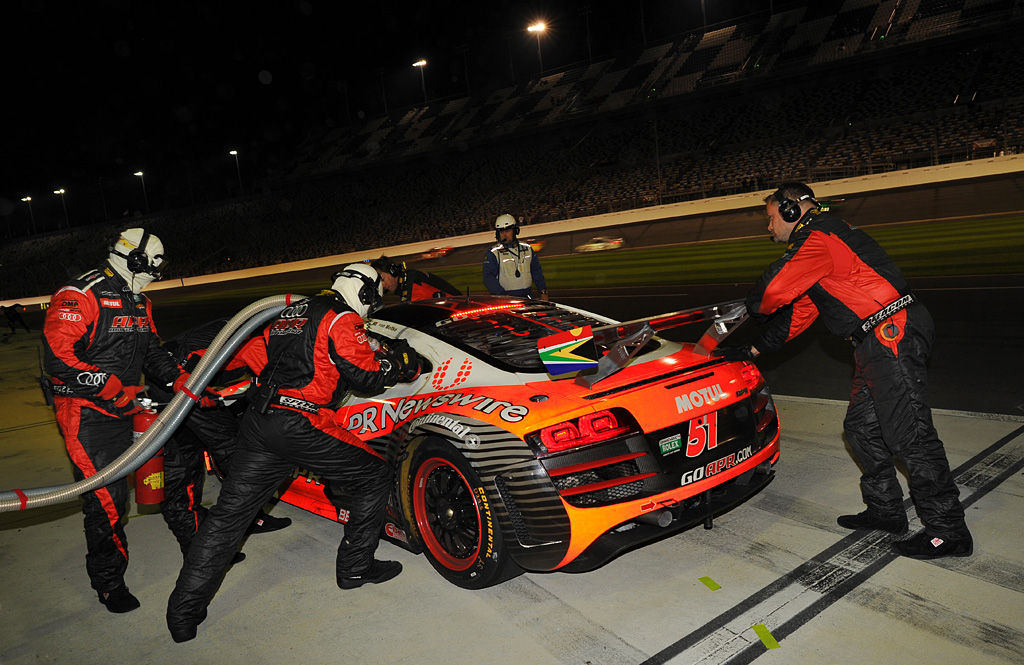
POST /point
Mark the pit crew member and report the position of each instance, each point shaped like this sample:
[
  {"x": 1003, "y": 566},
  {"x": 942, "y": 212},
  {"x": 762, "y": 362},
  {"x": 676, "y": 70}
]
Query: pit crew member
[
  {"x": 212, "y": 429},
  {"x": 306, "y": 360},
  {"x": 833, "y": 270},
  {"x": 511, "y": 267},
  {"x": 98, "y": 337},
  {"x": 409, "y": 283}
]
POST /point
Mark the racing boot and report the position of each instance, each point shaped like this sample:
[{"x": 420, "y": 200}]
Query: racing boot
[
  {"x": 266, "y": 523},
  {"x": 868, "y": 521},
  {"x": 183, "y": 632},
  {"x": 119, "y": 600},
  {"x": 925, "y": 546},
  {"x": 379, "y": 571}
]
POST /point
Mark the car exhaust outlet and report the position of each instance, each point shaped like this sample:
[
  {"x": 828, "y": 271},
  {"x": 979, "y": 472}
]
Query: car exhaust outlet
[
  {"x": 709, "y": 521},
  {"x": 660, "y": 518}
]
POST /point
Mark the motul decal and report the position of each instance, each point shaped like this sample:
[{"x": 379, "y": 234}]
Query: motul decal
[
  {"x": 387, "y": 415},
  {"x": 108, "y": 302},
  {"x": 718, "y": 466},
  {"x": 699, "y": 398},
  {"x": 702, "y": 434},
  {"x": 440, "y": 379}
]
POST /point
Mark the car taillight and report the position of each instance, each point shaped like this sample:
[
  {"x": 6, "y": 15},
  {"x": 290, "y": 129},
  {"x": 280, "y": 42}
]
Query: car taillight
[
  {"x": 752, "y": 377},
  {"x": 586, "y": 430}
]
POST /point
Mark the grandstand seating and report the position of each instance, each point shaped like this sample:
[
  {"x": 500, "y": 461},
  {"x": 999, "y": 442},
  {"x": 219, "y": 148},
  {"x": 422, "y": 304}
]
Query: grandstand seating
[{"x": 832, "y": 89}]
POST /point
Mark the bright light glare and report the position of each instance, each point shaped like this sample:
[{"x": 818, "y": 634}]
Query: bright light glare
[
  {"x": 536, "y": 27},
  {"x": 233, "y": 152},
  {"x": 27, "y": 198},
  {"x": 58, "y": 191},
  {"x": 138, "y": 173},
  {"x": 419, "y": 63}
]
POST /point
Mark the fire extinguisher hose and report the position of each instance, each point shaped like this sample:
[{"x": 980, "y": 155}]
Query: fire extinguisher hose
[{"x": 227, "y": 341}]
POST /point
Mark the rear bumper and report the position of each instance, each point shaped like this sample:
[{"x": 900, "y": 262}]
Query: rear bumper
[{"x": 700, "y": 508}]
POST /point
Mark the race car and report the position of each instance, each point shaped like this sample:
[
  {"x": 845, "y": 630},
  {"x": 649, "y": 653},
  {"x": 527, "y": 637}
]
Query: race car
[
  {"x": 543, "y": 437},
  {"x": 600, "y": 243},
  {"x": 536, "y": 244},
  {"x": 436, "y": 253}
]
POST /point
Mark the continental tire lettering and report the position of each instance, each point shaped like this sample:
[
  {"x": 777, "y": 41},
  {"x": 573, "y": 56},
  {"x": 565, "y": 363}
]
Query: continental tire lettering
[
  {"x": 94, "y": 379},
  {"x": 485, "y": 504}
]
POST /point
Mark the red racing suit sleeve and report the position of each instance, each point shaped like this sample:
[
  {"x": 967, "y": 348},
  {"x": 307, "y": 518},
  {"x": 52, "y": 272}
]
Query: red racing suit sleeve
[
  {"x": 350, "y": 351},
  {"x": 253, "y": 354},
  {"x": 69, "y": 329},
  {"x": 782, "y": 291}
]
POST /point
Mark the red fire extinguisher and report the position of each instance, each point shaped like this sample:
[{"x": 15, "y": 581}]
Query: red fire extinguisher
[{"x": 149, "y": 478}]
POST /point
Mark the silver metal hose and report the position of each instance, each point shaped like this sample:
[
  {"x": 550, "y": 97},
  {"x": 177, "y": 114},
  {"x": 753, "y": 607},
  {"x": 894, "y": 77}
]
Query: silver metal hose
[{"x": 234, "y": 333}]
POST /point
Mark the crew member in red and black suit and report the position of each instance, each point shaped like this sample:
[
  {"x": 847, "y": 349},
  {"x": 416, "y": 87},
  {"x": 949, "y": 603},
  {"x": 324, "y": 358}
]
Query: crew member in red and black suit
[
  {"x": 212, "y": 429},
  {"x": 315, "y": 351},
  {"x": 410, "y": 283},
  {"x": 839, "y": 273},
  {"x": 98, "y": 337}
]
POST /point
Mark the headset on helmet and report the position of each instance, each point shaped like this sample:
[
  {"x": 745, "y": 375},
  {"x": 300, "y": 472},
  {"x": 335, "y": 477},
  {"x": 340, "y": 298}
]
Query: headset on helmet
[
  {"x": 369, "y": 292},
  {"x": 137, "y": 260},
  {"x": 503, "y": 222},
  {"x": 789, "y": 209}
]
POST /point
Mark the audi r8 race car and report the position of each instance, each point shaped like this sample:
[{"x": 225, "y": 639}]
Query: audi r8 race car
[
  {"x": 544, "y": 437},
  {"x": 600, "y": 243}
]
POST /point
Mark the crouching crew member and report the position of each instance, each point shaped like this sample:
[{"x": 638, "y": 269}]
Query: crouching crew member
[
  {"x": 98, "y": 337},
  {"x": 511, "y": 268},
  {"x": 306, "y": 360}
]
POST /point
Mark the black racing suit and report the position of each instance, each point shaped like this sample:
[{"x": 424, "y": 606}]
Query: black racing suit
[
  {"x": 97, "y": 337},
  {"x": 839, "y": 273},
  {"x": 212, "y": 430},
  {"x": 312, "y": 354}
]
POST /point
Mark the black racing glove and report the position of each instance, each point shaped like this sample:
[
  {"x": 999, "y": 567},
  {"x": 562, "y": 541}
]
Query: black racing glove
[
  {"x": 407, "y": 359},
  {"x": 734, "y": 353}
]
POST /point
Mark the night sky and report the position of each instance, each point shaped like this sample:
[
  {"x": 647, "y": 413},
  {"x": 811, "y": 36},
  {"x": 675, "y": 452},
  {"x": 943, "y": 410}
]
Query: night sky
[{"x": 96, "y": 90}]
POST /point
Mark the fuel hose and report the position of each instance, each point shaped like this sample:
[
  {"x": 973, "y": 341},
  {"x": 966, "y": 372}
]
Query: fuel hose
[{"x": 235, "y": 332}]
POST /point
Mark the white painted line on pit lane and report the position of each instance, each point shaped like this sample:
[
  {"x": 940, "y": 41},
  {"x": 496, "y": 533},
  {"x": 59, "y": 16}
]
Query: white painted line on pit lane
[{"x": 788, "y": 603}]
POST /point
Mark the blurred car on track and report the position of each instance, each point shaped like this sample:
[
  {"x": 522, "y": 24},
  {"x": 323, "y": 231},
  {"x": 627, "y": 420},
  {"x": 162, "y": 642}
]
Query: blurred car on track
[
  {"x": 600, "y": 243},
  {"x": 436, "y": 252},
  {"x": 536, "y": 244}
]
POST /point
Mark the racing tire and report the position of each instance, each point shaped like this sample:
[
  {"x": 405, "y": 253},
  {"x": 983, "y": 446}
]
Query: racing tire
[{"x": 455, "y": 520}]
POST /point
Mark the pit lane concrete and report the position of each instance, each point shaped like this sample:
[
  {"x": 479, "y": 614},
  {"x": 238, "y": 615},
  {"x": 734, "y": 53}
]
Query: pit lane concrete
[{"x": 825, "y": 595}]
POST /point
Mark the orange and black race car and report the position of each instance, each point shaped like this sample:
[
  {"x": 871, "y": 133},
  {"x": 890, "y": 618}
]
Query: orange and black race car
[{"x": 547, "y": 438}]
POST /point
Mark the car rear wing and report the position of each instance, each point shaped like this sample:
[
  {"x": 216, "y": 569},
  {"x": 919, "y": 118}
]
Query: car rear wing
[{"x": 576, "y": 350}]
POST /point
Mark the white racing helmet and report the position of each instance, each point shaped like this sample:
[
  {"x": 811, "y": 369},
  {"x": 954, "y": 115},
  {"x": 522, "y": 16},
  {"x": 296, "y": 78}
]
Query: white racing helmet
[
  {"x": 138, "y": 256},
  {"x": 361, "y": 288},
  {"x": 503, "y": 222}
]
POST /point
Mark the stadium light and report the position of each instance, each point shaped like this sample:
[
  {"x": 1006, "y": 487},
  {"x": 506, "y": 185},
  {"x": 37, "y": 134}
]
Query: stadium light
[
  {"x": 234, "y": 153},
  {"x": 28, "y": 200},
  {"x": 421, "y": 64},
  {"x": 536, "y": 29},
  {"x": 144, "y": 196},
  {"x": 62, "y": 192}
]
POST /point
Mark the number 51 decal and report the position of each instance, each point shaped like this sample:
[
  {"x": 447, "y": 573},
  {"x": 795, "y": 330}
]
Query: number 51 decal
[{"x": 703, "y": 433}]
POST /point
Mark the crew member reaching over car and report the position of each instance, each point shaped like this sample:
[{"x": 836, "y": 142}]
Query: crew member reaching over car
[
  {"x": 833, "y": 270},
  {"x": 511, "y": 267},
  {"x": 315, "y": 351},
  {"x": 409, "y": 283}
]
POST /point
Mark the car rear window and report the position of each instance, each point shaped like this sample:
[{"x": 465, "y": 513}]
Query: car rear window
[{"x": 505, "y": 336}]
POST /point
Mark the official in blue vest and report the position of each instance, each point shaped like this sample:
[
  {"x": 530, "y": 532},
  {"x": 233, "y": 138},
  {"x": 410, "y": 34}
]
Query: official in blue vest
[{"x": 511, "y": 268}]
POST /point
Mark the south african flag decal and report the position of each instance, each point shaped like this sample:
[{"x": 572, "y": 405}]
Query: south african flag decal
[{"x": 569, "y": 351}]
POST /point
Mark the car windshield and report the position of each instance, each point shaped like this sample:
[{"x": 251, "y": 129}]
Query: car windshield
[{"x": 504, "y": 334}]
